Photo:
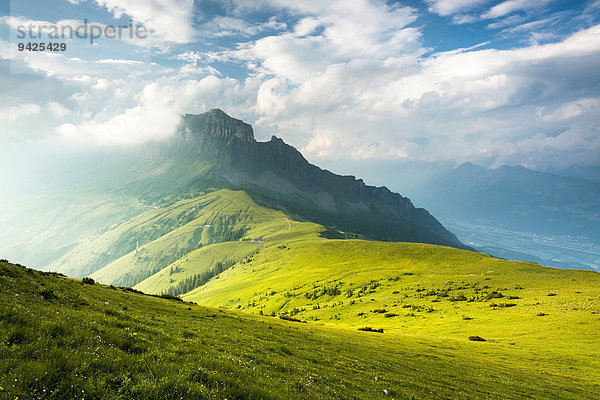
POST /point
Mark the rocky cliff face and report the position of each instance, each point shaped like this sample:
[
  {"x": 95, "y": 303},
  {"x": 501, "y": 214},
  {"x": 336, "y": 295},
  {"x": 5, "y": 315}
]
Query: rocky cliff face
[{"x": 277, "y": 174}]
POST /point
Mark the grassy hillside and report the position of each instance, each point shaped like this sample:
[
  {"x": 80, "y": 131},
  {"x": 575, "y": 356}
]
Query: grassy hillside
[
  {"x": 546, "y": 318},
  {"x": 41, "y": 230},
  {"x": 136, "y": 248},
  {"x": 60, "y": 338},
  {"x": 191, "y": 237}
]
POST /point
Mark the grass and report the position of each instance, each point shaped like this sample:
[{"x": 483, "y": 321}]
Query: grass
[
  {"x": 60, "y": 338},
  {"x": 425, "y": 291}
]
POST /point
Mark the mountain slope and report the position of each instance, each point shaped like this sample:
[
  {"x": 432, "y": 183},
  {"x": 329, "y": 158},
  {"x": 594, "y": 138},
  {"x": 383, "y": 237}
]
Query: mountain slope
[{"x": 60, "y": 338}]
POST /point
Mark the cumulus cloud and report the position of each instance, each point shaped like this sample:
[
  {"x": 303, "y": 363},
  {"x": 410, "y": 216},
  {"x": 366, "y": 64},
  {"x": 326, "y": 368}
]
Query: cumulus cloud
[
  {"x": 384, "y": 32},
  {"x": 151, "y": 110}
]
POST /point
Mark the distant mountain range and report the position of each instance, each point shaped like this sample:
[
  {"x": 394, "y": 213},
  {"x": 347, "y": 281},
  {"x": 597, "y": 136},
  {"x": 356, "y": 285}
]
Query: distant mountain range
[
  {"x": 590, "y": 173},
  {"x": 518, "y": 198}
]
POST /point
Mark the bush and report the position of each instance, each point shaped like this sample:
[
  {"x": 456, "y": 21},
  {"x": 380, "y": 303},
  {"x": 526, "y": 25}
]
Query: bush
[
  {"x": 369, "y": 329},
  {"x": 493, "y": 295},
  {"x": 476, "y": 339},
  {"x": 19, "y": 336},
  {"x": 503, "y": 305},
  {"x": 88, "y": 281},
  {"x": 389, "y": 315},
  {"x": 48, "y": 294},
  {"x": 286, "y": 318},
  {"x": 170, "y": 297}
]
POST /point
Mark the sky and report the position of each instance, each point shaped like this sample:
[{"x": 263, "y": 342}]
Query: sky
[{"x": 347, "y": 82}]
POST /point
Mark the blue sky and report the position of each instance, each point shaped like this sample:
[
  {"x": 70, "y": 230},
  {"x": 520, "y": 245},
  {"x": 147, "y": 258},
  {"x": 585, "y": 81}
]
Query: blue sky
[{"x": 490, "y": 82}]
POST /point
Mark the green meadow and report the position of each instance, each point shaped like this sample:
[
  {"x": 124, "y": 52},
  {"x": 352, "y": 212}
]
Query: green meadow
[{"x": 63, "y": 339}]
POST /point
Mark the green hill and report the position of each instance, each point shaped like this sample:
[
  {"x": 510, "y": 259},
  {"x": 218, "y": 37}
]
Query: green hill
[
  {"x": 536, "y": 314},
  {"x": 60, "y": 338}
]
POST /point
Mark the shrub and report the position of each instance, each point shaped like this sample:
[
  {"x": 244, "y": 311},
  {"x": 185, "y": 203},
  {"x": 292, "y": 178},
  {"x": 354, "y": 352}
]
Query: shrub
[
  {"x": 369, "y": 329},
  {"x": 170, "y": 297},
  {"x": 88, "y": 281},
  {"x": 503, "y": 305},
  {"x": 476, "y": 339},
  {"x": 286, "y": 318},
  {"x": 48, "y": 294},
  {"x": 379, "y": 311},
  {"x": 493, "y": 295},
  {"x": 541, "y": 314},
  {"x": 19, "y": 336},
  {"x": 389, "y": 315}
]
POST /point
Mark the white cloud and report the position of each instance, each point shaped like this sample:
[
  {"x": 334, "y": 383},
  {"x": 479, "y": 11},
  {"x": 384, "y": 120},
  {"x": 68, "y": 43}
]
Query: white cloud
[
  {"x": 450, "y": 7},
  {"x": 223, "y": 26},
  {"x": 14, "y": 113},
  {"x": 338, "y": 92},
  {"x": 153, "y": 110},
  {"x": 57, "y": 109},
  {"x": 298, "y": 55},
  {"x": 571, "y": 110},
  {"x": 511, "y": 6},
  {"x": 171, "y": 21},
  {"x": 469, "y": 104}
]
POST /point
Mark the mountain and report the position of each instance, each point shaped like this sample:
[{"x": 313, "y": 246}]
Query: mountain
[
  {"x": 148, "y": 208},
  {"x": 517, "y": 198},
  {"x": 277, "y": 175},
  {"x": 590, "y": 173}
]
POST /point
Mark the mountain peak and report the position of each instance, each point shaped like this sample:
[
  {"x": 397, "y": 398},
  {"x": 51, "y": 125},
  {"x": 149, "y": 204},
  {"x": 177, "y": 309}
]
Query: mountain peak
[
  {"x": 216, "y": 124},
  {"x": 469, "y": 166}
]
